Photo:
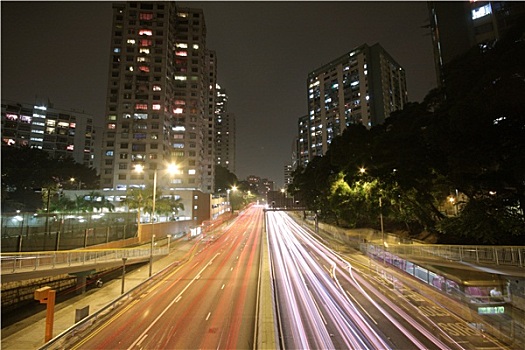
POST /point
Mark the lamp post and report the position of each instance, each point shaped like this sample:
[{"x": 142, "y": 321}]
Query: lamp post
[
  {"x": 234, "y": 188},
  {"x": 228, "y": 199},
  {"x": 123, "y": 274},
  {"x": 172, "y": 168},
  {"x": 151, "y": 255},
  {"x": 382, "y": 230}
]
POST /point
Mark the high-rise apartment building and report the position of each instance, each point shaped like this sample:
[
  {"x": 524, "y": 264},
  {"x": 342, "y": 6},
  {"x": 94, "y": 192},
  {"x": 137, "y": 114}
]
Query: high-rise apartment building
[
  {"x": 361, "y": 87},
  {"x": 60, "y": 132},
  {"x": 457, "y": 26},
  {"x": 208, "y": 172},
  {"x": 224, "y": 132},
  {"x": 157, "y": 110}
]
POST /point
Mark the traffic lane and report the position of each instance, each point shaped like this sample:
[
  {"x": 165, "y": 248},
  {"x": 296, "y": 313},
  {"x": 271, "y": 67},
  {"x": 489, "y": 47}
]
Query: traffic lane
[
  {"x": 124, "y": 329},
  {"x": 190, "y": 323},
  {"x": 404, "y": 337},
  {"x": 233, "y": 322},
  {"x": 323, "y": 319},
  {"x": 130, "y": 326},
  {"x": 440, "y": 327}
]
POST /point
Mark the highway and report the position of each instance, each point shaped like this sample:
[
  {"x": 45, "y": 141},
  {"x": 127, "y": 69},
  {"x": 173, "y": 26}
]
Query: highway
[
  {"x": 324, "y": 302},
  {"x": 207, "y": 302}
]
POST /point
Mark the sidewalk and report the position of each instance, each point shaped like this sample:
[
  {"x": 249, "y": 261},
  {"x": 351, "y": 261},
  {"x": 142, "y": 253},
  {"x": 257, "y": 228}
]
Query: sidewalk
[{"x": 29, "y": 333}]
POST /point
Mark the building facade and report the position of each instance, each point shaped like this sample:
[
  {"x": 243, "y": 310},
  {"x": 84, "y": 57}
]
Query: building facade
[
  {"x": 361, "y": 87},
  {"x": 224, "y": 132},
  {"x": 457, "y": 26},
  {"x": 60, "y": 132},
  {"x": 156, "y": 110}
]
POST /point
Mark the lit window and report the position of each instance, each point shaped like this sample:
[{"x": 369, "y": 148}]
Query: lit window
[
  {"x": 112, "y": 126},
  {"x": 116, "y": 50},
  {"x": 131, "y": 41},
  {"x": 192, "y": 172},
  {"x": 157, "y": 88},
  {"x": 481, "y": 11},
  {"x": 145, "y": 42},
  {"x": 25, "y": 119},
  {"x": 182, "y": 45},
  {"x": 145, "y": 32},
  {"x": 70, "y": 147},
  {"x": 109, "y": 153},
  {"x": 181, "y": 53},
  {"x": 178, "y": 110},
  {"x": 144, "y": 69},
  {"x": 146, "y": 16},
  {"x": 180, "y": 77},
  {"x": 195, "y": 46},
  {"x": 12, "y": 116},
  {"x": 156, "y": 107},
  {"x": 141, "y": 106}
]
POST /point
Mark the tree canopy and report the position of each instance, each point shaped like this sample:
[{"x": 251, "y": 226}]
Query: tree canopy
[{"x": 26, "y": 171}]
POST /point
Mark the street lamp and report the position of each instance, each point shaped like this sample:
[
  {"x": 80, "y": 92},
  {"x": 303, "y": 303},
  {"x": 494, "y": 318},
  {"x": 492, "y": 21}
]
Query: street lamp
[
  {"x": 228, "y": 199},
  {"x": 123, "y": 274},
  {"x": 151, "y": 255},
  {"x": 382, "y": 230},
  {"x": 172, "y": 168},
  {"x": 234, "y": 188}
]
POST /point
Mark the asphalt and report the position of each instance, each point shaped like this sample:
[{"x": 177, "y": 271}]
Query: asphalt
[{"x": 29, "y": 333}]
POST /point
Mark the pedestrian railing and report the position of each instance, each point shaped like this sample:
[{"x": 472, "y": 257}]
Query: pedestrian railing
[
  {"x": 485, "y": 255},
  {"x": 32, "y": 261}
]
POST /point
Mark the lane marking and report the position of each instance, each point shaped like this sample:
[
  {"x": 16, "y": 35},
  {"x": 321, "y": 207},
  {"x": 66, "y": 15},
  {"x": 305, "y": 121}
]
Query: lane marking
[
  {"x": 207, "y": 317},
  {"x": 142, "y": 339}
]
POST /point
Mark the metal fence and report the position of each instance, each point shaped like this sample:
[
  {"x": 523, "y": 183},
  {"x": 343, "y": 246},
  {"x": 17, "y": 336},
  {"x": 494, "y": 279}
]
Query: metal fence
[
  {"x": 23, "y": 232},
  {"x": 488, "y": 255},
  {"x": 31, "y": 261}
]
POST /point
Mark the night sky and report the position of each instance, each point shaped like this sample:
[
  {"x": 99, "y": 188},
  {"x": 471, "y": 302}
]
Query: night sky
[{"x": 60, "y": 51}]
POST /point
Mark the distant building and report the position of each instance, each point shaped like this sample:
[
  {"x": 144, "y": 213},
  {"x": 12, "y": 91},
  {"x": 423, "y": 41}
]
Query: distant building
[
  {"x": 288, "y": 170},
  {"x": 60, "y": 132},
  {"x": 361, "y": 87},
  {"x": 457, "y": 26},
  {"x": 302, "y": 153},
  {"x": 225, "y": 131}
]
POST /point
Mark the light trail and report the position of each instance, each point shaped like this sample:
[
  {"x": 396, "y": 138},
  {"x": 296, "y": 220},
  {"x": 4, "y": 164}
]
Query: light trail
[
  {"x": 317, "y": 313},
  {"x": 311, "y": 293}
]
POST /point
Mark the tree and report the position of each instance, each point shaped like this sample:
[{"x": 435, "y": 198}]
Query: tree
[
  {"x": 224, "y": 179},
  {"x": 141, "y": 199},
  {"x": 23, "y": 181}
]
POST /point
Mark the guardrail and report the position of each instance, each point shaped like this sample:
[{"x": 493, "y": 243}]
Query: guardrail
[
  {"x": 32, "y": 261},
  {"x": 488, "y": 255}
]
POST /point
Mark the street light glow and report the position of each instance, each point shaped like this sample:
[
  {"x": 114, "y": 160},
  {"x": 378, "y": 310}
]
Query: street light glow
[{"x": 139, "y": 168}]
